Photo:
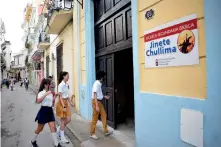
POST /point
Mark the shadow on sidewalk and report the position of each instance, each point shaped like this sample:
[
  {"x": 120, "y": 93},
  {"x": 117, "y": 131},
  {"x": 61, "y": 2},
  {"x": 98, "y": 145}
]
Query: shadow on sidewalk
[{"x": 81, "y": 128}]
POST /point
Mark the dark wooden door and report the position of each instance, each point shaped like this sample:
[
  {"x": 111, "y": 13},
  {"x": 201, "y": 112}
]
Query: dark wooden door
[
  {"x": 47, "y": 66},
  {"x": 106, "y": 63},
  {"x": 59, "y": 59},
  {"x": 113, "y": 26},
  {"x": 113, "y": 32}
]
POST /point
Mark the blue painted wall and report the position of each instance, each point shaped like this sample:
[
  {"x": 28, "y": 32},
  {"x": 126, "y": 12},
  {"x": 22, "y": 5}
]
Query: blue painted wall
[
  {"x": 158, "y": 117},
  {"x": 213, "y": 51},
  {"x": 85, "y": 103},
  {"x": 81, "y": 99}
]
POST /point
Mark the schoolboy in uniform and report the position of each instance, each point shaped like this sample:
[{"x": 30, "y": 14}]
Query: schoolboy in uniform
[{"x": 98, "y": 108}]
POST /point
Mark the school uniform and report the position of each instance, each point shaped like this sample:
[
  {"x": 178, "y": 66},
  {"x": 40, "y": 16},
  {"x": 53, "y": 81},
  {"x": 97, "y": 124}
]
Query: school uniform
[
  {"x": 63, "y": 89},
  {"x": 97, "y": 88},
  {"x": 45, "y": 114}
]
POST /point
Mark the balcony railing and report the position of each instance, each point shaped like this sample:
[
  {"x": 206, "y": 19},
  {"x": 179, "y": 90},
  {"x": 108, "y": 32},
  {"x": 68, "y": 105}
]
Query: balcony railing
[
  {"x": 44, "y": 38},
  {"x": 3, "y": 46},
  {"x": 56, "y": 5},
  {"x": 44, "y": 41},
  {"x": 37, "y": 66},
  {"x": 61, "y": 4}
]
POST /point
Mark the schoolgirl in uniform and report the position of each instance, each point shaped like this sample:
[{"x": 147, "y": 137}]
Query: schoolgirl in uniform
[
  {"x": 45, "y": 114},
  {"x": 62, "y": 109}
]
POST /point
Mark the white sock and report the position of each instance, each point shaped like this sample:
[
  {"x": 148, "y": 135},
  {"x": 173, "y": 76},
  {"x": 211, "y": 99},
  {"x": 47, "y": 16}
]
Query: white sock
[
  {"x": 55, "y": 139},
  {"x": 34, "y": 137},
  {"x": 62, "y": 134},
  {"x": 58, "y": 129}
]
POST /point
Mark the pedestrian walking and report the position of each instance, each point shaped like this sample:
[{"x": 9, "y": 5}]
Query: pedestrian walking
[
  {"x": 62, "y": 109},
  {"x": 45, "y": 114},
  {"x": 7, "y": 83},
  {"x": 98, "y": 108},
  {"x": 26, "y": 82},
  {"x": 12, "y": 82},
  {"x": 3, "y": 82},
  {"x": 21, "y": 83}
]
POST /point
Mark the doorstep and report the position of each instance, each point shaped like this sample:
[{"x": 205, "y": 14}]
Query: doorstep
[{"x": 81, "y": 129}]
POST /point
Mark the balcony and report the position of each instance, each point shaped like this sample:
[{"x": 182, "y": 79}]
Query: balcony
[
  {"x": 20, "y": 66},
  {"x": 60, "y": 12},
  {"x": 4, "y": 45},
  {"x": 37, "y": 55},
  {"x": 37, "y": 66},
  {"x": 44, "y": 41}
]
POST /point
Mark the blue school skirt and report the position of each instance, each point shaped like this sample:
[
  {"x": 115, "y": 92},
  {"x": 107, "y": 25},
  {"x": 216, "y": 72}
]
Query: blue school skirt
[{"x": 45, "y": 115}]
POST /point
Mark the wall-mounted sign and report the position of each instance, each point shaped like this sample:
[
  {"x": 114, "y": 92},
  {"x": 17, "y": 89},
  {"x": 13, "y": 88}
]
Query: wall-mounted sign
[
  {"x": 149, "y": 14},
  {"x": 172, "y": 44}
]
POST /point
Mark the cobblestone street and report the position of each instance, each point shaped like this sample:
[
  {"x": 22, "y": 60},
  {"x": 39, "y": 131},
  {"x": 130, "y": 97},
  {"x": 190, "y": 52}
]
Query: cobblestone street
[{"x": 17, "y": 119}]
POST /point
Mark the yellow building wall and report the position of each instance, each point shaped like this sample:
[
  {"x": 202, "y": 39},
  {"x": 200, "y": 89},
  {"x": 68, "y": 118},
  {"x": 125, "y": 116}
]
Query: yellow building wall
[
  {"x": 82, "y": 47},
  {"x": 172, "y": 80},
  {"x": 76, "y": 53},
  {"x": 65, "y": 37}
]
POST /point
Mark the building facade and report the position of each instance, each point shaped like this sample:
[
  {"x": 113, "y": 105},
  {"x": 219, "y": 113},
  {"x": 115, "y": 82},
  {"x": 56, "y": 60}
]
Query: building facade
[
  {"x": 19, "y": 66},
  {"x": 164, "y": 104},
  {"x": 56, "y": 40},
  {"x": 32, "y": 25},
  {"x": 6, "y": 54}
]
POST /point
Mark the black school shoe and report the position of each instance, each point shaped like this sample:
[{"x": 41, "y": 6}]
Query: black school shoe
[
  {"x": 34, "y": 144},
  {"x": 59, "y": 145}
]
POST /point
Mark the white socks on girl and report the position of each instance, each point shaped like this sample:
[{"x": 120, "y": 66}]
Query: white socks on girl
[
  {"x": 62, "y": 134},
  {"x": 34, "y": 137},
  {"x": 54, "y": 138}
]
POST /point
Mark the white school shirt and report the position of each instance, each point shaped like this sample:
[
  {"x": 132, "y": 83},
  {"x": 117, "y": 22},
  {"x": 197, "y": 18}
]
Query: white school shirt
[
  {"x": 64, "y": 90},
  {"x": 48, "y": 100},
  {"x": 97, "y": 88}
]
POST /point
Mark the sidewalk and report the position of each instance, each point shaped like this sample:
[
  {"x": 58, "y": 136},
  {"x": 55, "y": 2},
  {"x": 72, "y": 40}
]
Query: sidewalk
[
  {"x": 33, "y": 88},
  {"x": 81, "y": 129}
]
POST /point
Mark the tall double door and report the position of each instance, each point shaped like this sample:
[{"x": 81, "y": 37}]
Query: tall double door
[{"x": 113, "y": 33}]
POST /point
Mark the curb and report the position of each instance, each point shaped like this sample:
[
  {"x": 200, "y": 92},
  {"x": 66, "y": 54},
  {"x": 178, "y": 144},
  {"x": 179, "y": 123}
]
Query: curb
[
  {"x": 74, "y": 140},
  {"x": 32, "y": 89}
]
